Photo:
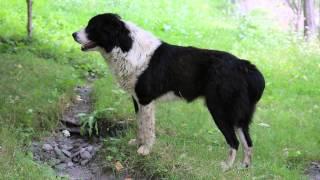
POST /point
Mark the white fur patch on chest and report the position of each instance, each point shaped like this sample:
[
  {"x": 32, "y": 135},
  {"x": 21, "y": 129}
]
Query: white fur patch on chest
[{"x": 127, "y": 66}]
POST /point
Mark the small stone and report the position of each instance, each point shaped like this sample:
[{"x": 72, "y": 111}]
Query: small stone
[
  {"x": 90, "y": 148},
  {"x": 59, "y": 154},
  {"x": 67, "y": 153},
  {"x": 85, "y": 155},
  {"x": 70, "y": 164},
  {"x": 54, "y": 161},
  {"x": 66, "y": 133},
  {"x": 84, "y": 162},
  {"x": 54, "y": 143},
  {"x": 66, "y": 147},
  {"x": 75, "y": 154},
  {"x": 61, "y": 166},
  {"x": 75, "y": 159},
  {"x": 47, "y": 147},
  {"x": 82, "y": 150}
]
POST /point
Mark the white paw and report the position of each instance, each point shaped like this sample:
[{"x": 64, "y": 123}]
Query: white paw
[
  {"x": 224, "y": 166},
  {"x": 133, "y": 142},
  {"x": 245, "y": 164},
  {"x": 144, "y": 150}
]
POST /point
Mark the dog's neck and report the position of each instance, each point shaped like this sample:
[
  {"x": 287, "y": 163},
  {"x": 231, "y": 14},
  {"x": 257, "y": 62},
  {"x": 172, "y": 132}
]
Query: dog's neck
[{"x": 127, "y": 66}]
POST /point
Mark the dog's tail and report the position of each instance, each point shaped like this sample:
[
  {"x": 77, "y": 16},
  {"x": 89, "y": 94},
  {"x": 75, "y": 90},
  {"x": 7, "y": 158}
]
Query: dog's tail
[{"x": 255, "y": 80}]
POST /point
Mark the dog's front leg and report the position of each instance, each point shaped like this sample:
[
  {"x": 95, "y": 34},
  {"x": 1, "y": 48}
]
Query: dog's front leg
[{"x": 146, "y": 128}]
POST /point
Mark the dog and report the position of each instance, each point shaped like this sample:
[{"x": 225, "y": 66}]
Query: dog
[{"x": 150, "y": 69}]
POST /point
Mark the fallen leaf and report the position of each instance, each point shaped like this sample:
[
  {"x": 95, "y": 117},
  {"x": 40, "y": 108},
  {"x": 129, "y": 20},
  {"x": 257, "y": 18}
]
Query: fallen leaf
[
  {"x": 118, "y": 166},
  {"x": 264, "y": 125},
  {"x": 78, "y": 98}
]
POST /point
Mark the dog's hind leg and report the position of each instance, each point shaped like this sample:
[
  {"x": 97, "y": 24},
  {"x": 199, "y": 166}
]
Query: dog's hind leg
[
  {"x": 246, "y": 142},
  {"x": 226, "y": 127}
]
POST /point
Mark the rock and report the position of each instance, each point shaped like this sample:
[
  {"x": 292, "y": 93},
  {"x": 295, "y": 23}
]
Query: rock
[
  {"x": 61, "y": 166},
  {"x": 66, "y": 147},
  {"x": 67, "y": 153},
  {"x": 59, "y": 154},
  {"x": 75, "y": 159},
  {"x": 54, "y": 143},
  {"x": 85, "y": 155},
  {"x": 90, "y": 148},
  {"x": 75, "y": 154},
  {"x": 54, "y": 161},
  {"x": 84, "y": 162},
  {"x": 47, "y": 147},
  {"x": 75, "y": 130},
  {"x": 66, "y": 133},
  {"x": 70, "y": 164},
  {"x": 71, "y": 120}
]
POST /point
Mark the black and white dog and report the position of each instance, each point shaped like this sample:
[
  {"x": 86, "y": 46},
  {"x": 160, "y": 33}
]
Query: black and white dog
[{"x": 150, "y": 69}]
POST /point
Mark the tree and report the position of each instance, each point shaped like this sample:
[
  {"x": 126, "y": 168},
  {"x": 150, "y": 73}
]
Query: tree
[
  {"x": 29, "y": 19},
  {"x": 296, "y": 6},
  {"x": 309, "y": 19}
]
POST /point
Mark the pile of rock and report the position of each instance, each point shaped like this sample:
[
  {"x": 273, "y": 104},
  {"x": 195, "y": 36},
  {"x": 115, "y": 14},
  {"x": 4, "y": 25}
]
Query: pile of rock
[
  {"x": 62, "y": 153},
  {"x": 314, "y": 171}
]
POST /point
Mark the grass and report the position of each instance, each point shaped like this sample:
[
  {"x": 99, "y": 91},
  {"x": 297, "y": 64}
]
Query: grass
[
  {"x": 189, "y": 146},
  {"x": 35, "y": 77},
  {"x": 34, "y": 92}
]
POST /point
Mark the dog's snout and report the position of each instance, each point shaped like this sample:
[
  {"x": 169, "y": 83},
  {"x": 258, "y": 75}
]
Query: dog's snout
[{"x": 74, "y": 35}]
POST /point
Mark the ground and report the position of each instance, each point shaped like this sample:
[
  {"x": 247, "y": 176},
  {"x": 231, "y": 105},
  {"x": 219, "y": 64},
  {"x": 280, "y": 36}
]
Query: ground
[{"x": 38, "y": 76}]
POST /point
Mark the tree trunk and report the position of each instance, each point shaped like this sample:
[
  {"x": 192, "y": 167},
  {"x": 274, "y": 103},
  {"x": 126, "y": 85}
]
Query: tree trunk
[
  {"x": 319, "y": 21},
  {"x": 309, "y": 19},
  {"x": 296, "y": 7},
  {"x": 233, "y": 1},
  {"x": 29, "y": 24}
]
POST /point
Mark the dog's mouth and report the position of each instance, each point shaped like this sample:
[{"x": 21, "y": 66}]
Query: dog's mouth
[{"x": 88, "y": 46}]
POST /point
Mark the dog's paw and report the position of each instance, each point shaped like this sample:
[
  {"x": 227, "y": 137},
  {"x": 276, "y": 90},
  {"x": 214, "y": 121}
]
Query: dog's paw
[
  {"x": 245, "y": 164},
  {"x": 144, "y": 150},
  {"x": 225, "y": 167},
  {"x": 133, "y": 142}
]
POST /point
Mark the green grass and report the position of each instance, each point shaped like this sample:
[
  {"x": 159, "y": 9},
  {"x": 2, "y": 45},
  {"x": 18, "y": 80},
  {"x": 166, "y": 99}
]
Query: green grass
[
  {"x": 34, "y": 92},
  {"x": 189, "y": 146},
  {"x": 37, "y": 76}
]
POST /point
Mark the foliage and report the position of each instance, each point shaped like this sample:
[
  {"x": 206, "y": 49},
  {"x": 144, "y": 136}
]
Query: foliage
[
  {"x": 188, "y": 145},
  {"x": 37, "y": 78},
  {"x": 34, "y": 92}
]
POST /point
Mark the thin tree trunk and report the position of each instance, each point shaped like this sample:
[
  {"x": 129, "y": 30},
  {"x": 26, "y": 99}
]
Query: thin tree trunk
[
  {"x": 309, "y": 19},
  {"x": 29, "y": 24},
  {"x": 319, "y": 21},
  {"x": 296, "y": 8}
]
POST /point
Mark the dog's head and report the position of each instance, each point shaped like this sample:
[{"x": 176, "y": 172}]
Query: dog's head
[{"x": 105, "y": 31}]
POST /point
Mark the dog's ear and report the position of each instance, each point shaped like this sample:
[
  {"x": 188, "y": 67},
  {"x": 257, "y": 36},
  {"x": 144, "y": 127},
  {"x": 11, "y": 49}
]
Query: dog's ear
[
  {"x": 107, "y": 37},
  {"x": 124, "y": 39},
  {"x": 115, "y": 34}
]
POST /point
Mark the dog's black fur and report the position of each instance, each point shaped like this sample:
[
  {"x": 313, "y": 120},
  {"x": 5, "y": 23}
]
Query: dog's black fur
[
  {"x": 108, "y": 31},
  {"x": 230, "y": 86}
]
